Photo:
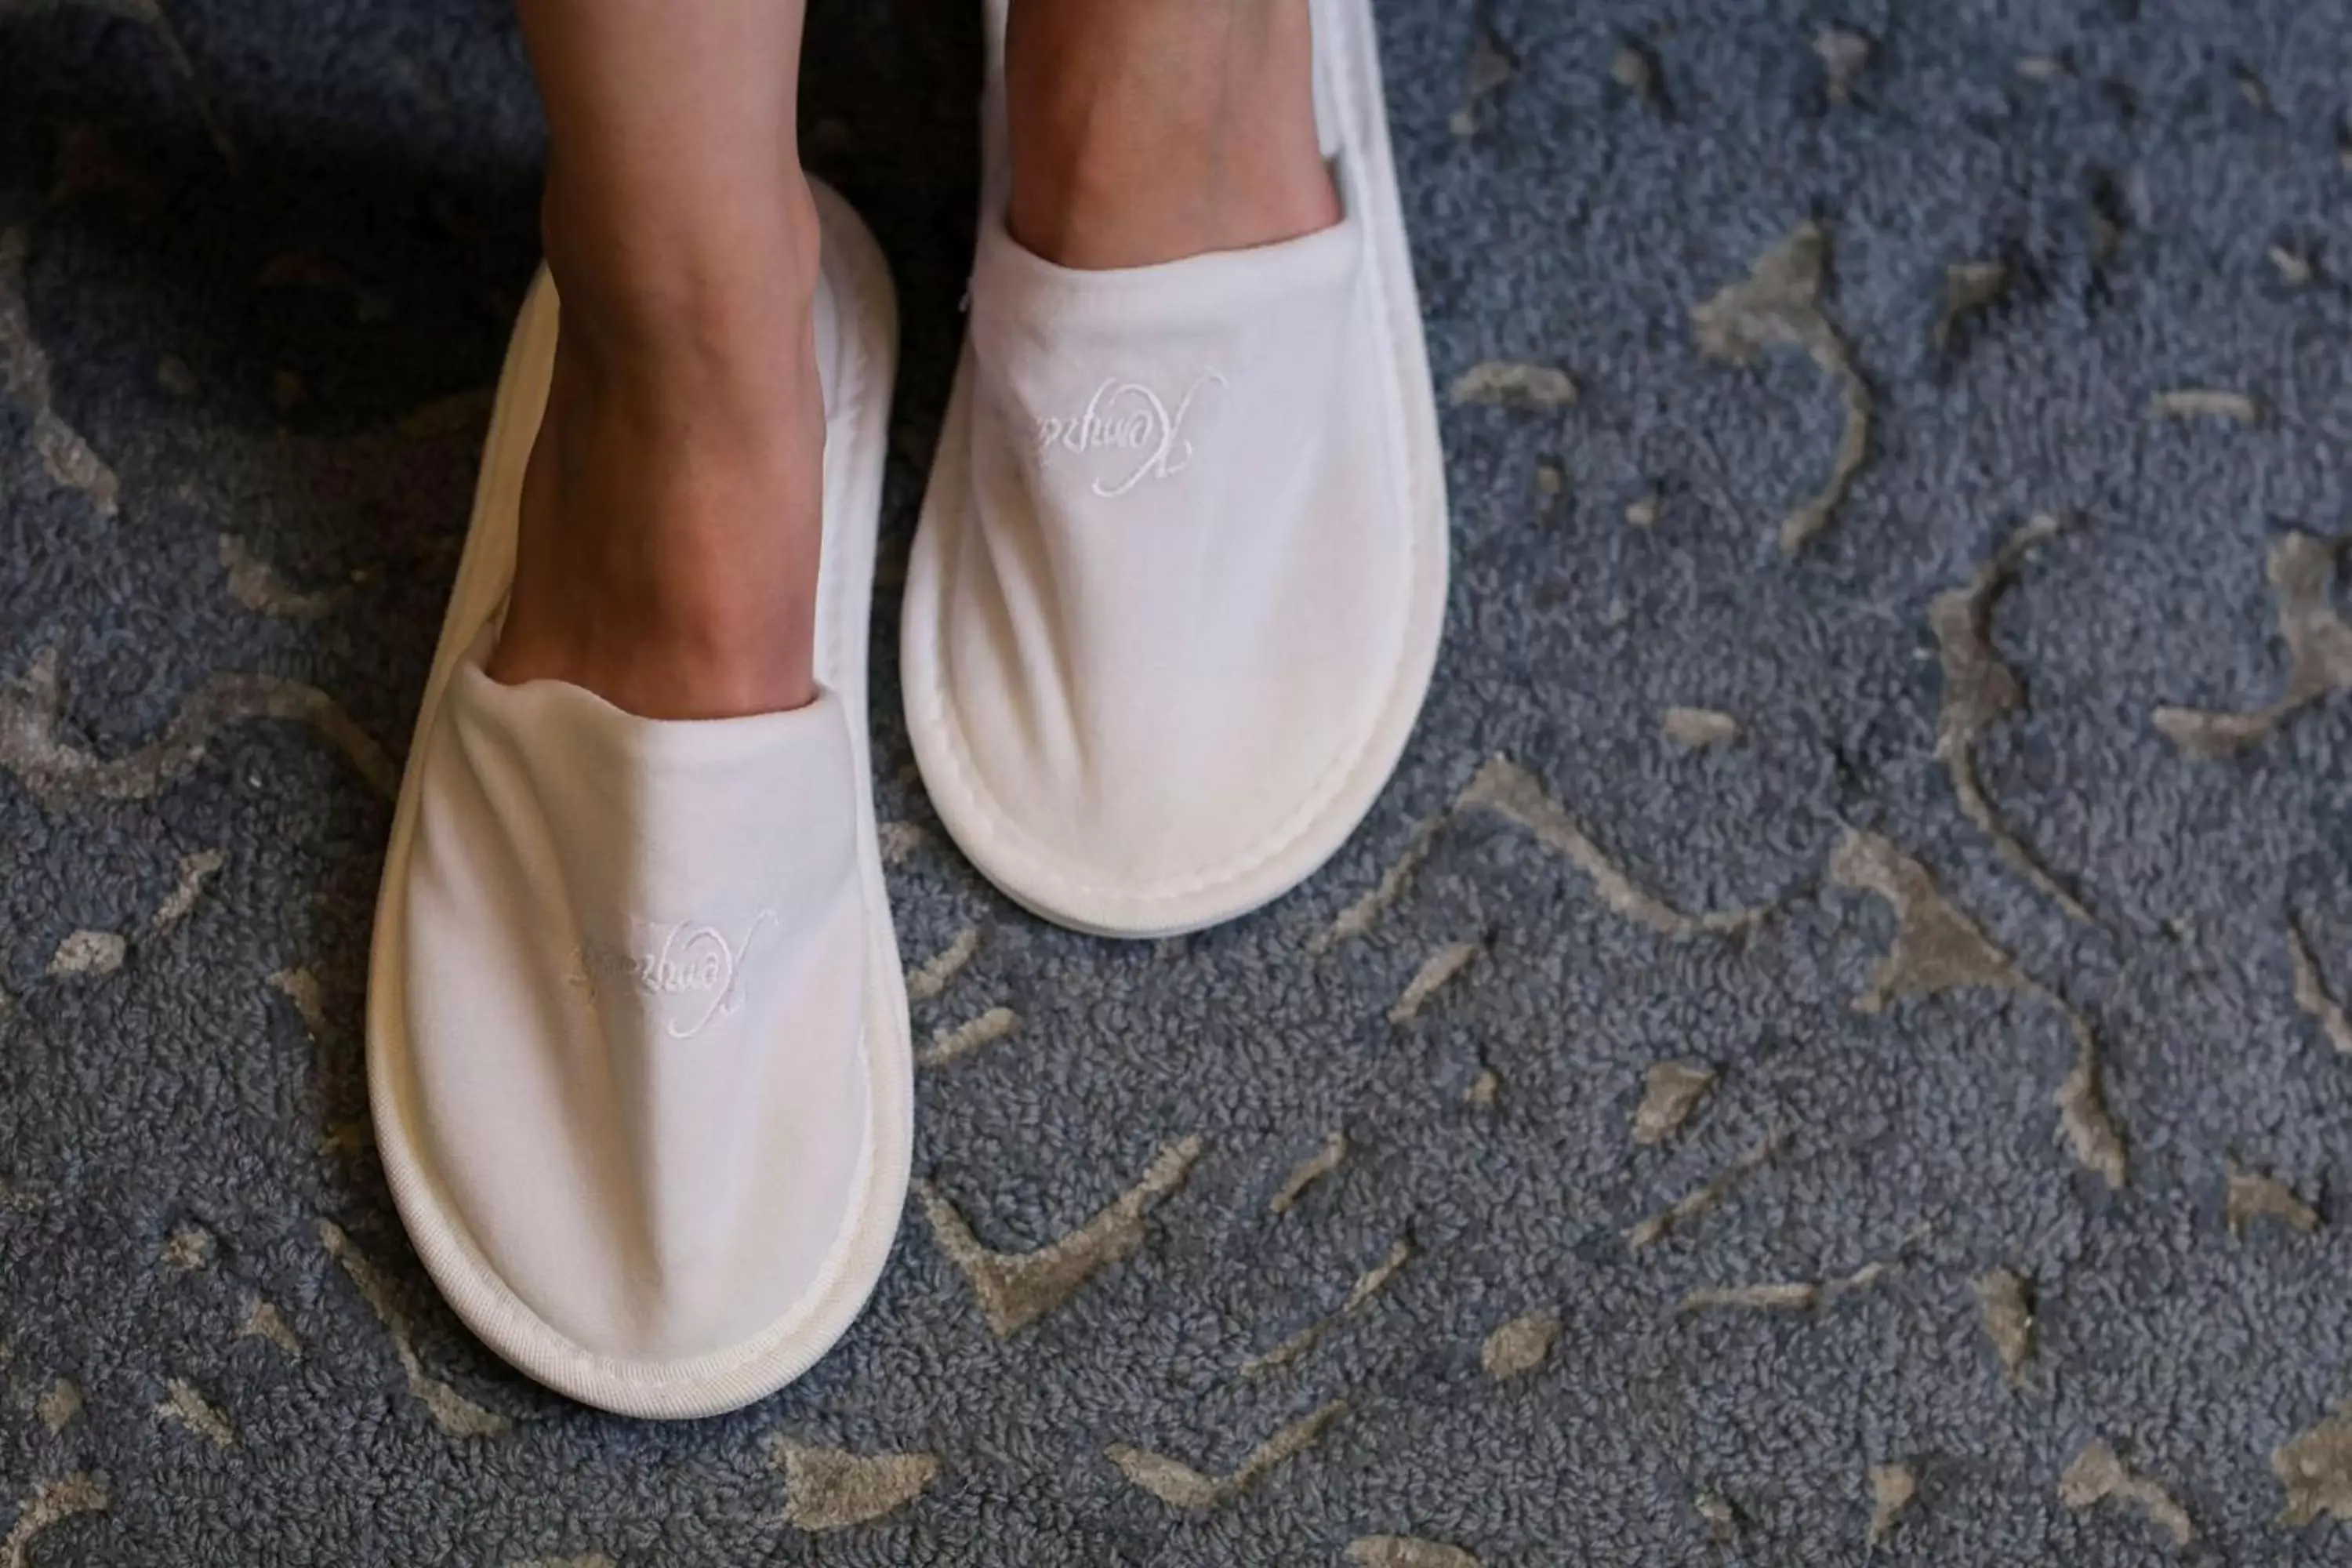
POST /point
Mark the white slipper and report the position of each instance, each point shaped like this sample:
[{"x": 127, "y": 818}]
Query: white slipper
[
  {"x": 637, "y": 1042},
  {"x": 1181, "y": 577}
]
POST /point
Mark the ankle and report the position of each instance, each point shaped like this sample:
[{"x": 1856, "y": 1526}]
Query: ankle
[
  {"x": 672, "y": 511},
  {"x": 1155, "y": 129},
  {"x": 668, "y": 549},
  {"x": 718, "y": 292}
]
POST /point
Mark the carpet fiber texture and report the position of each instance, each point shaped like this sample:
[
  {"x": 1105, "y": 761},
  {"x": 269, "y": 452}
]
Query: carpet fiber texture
[{"x": 1833, "y": 1047}]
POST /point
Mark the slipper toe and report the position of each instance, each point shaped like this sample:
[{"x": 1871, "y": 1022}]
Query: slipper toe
[
  {"x": 1184, "y": 581},
  {"x": 636, "y": 983}
]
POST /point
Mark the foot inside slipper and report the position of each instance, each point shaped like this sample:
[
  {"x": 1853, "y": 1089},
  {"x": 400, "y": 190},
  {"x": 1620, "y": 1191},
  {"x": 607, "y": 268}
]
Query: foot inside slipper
[
  {"x": 639, "y": 1049},
  {"x": 1177, "y": 591}
]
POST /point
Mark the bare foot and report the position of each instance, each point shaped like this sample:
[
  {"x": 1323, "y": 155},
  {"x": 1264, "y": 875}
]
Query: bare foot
[
  {"x": 672, "y": 508},
  {"x": 1150, "y": 130}
]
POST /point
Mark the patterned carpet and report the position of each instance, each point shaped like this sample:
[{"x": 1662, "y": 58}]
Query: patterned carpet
[{"x": 1833, "y": 1049}]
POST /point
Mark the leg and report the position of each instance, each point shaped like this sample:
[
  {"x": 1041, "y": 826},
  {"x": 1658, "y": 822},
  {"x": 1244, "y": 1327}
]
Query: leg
[
  {"x": 670, "y": 523},
  {"x": 1147, "y": 130}
]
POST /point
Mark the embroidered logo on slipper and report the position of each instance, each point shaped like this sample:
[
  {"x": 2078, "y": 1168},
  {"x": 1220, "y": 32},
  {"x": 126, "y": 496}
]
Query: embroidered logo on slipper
[
  {"x": 1130, "y": 418},
  {"x": 696, "y": 962}
]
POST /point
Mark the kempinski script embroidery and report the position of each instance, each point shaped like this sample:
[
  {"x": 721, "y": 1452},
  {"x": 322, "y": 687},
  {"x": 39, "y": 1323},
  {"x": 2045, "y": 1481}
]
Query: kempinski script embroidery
[
  {"x": 691, "y": 961},
  {"x": 1130, "y": 418}
]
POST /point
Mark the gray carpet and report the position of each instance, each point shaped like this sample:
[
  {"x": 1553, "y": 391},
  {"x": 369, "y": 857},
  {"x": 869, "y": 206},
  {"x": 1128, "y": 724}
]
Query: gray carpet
[{"x": 257, "y": 266}]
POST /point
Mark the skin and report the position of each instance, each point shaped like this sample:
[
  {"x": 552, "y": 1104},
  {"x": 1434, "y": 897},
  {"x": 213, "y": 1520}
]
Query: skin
[{"x": 668, "y": 552}]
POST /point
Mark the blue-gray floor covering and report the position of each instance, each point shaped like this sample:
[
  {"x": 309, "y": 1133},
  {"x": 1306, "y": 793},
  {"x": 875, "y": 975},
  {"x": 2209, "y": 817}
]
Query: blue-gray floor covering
[{"x": 257, "y": 264}]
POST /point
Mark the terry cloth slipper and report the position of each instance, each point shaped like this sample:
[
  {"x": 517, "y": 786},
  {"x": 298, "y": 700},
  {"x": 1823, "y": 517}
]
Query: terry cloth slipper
[
  {"x": 637, "y": 1042},
  {"x": 1181, "y": 575}
]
